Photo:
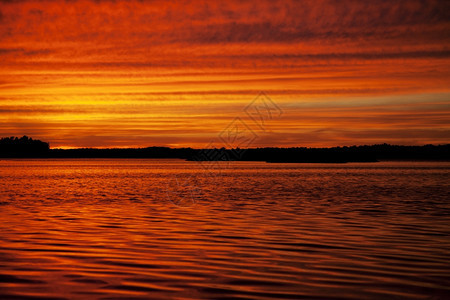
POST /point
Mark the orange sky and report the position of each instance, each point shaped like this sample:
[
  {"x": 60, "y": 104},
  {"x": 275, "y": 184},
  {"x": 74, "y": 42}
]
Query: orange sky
[{"x": 143, "y": 73}]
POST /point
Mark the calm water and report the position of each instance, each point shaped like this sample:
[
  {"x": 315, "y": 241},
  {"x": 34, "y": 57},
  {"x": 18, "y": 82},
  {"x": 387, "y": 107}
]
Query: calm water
[{"x": 146, "y": 229}]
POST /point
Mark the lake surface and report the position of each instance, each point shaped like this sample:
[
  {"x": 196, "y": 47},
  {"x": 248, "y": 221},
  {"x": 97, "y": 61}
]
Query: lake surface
[{"x": 170, "y": 229}]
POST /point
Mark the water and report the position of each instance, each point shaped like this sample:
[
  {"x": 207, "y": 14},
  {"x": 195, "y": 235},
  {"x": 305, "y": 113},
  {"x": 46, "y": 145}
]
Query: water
[{"x": 148, "y": 229}]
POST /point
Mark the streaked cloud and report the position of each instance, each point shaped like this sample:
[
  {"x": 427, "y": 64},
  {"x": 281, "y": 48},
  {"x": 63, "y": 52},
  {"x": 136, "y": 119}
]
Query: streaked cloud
[{"x": 120, "y": 73}]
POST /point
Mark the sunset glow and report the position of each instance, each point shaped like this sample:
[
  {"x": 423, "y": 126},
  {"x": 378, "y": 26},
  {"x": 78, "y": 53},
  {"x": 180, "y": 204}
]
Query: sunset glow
[{"x": 137, "y": 73}]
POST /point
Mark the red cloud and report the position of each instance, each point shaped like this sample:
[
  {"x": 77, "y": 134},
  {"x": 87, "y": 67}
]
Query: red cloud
[{"x": 225, "y": 52}]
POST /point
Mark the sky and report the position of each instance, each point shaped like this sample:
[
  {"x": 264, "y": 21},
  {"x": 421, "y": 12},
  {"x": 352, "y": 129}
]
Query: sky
[{"x": 193, "y": 73}]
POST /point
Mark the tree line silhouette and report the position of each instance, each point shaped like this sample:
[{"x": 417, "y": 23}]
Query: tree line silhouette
[{"x": 25, "y": 147}]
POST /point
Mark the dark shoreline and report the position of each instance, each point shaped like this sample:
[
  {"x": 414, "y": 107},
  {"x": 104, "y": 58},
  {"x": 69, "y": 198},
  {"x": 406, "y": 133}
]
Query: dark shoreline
[
  {"x": 372, "y": 153},
  {"x": 183, "y": 159}
]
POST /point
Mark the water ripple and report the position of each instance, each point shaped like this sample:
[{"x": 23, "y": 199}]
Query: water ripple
[{"x": 105, "y": 229}]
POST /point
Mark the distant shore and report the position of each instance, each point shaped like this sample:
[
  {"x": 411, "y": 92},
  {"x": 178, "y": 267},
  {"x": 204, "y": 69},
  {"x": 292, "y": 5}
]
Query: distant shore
[{"x": 28, "y": 148}]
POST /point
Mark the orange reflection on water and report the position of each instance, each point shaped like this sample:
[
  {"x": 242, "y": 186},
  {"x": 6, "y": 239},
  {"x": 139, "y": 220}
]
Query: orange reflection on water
[{"x": 105, "y": 228}]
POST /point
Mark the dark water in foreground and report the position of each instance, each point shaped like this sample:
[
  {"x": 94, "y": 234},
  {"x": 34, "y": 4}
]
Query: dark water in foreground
[{"x": 146, "y": 229}]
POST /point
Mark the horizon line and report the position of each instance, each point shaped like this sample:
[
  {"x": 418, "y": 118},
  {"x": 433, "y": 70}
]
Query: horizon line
[{"x": 265, "y": 147}]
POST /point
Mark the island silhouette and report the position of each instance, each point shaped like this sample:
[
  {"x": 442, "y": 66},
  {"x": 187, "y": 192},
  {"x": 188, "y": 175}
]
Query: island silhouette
[{"x": 26, "y": 147}]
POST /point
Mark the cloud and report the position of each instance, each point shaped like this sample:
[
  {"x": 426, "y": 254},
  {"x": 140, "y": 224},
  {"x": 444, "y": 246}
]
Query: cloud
[{"x": 81, "y": 59}]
